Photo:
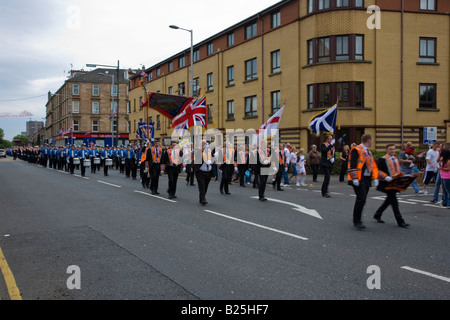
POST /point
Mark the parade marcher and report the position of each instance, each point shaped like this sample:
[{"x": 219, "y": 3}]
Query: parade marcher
[
  {"x": 202, "y": 168},
  {"x": 61, "y": 158},
  {"x": 264, "y": 163},
  {"x": 144, "y": 166},
  {"x": 226, "y": 167},
  {"x": 154, "y": 158},
  {"x": 281, "y": 167},
  {"x": 128, "y": 157},
  {"x": 93, "y": 154},
  {"x": 172, "y": 158},
  {"x": 188, "y": 154},
  {"x": 362, "y": 170},
  {"x": 326, "y": 163},
  {"x": 242, "y": 159},
  {"x": 390, "y": 165},
  {"x": 344, "y": 163},
  {"x": 72, "y": 153},
  {"x": 83, "y": 154},
  {"x": 121, "y": 157},
  {"x": 44, "y": 156},
  {"x": 106, "y": 154}
]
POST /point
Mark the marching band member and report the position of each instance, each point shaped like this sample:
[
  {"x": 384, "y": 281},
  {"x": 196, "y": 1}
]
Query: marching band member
[
  {"x": 242, "y": 164},
  {"x": 188, "y": 153},
  {"x": 93, "y": 153},
  {"x": 83, "y": 154},
  {"x": 172, "y": 159},
  {"x": 145, "y": 172},
  {"x": 128, "y": 156},
  {"x": 326, "y": 163},
  {"x": 390, "y": 165},
  {"x": 362, "y": 170},
  {"x": 106, "y": 154},
  {"x": 72, "y": 153},
  {"x": 154, "y": 158},
  {"x": 226, "y": 167}
]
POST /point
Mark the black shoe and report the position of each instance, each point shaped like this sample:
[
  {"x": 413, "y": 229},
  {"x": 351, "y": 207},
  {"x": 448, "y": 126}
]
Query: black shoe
[
  {"x": 279, "y": 189},
  {"x": 326, "y": 195},
  {"x": 378, "y": 219},
  {"x": 359, "y": 226},
  {"x": 227, "y": 193},
  {"x": 174, "y": 197},
  {"x": 156, "y": 192},
  {"x": 170, "y": 196},
  {"x": 262, "y": 199},
  {"x": 221, "y": 191},
  {"x": 403, "y": 225},
  {"x": 203, "y": 203},
  {"x": 193, "y": 184}
]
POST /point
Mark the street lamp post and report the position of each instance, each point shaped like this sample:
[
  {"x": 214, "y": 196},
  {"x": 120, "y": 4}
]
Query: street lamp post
[
  {"x": 118, "y": 98},
  {"x": 191, "y": 84},
  {"x": 112, "y": 109}
]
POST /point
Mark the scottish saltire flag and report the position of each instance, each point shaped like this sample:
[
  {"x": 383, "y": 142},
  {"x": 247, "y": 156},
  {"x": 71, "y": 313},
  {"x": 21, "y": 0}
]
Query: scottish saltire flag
[
  {"x": 324, "y": 122},
  {"x": 195, "y": 114}
]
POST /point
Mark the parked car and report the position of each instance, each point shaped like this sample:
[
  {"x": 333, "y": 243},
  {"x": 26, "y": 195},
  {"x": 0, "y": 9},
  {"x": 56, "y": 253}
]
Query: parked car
[{"x": 2, "y": 153}]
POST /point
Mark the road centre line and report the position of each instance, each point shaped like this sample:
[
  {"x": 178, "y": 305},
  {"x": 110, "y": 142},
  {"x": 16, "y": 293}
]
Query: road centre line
[
  {"x": 109, "y": 184},
  {"x": 427, "y": 274},
  {"x": 11, "y": 284},
  {"x": 151, "y": 195},
  {"x": 258, "y": 225}
]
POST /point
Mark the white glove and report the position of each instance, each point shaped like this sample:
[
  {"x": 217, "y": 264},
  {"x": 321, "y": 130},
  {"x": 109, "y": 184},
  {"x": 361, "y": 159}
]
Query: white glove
[
  {"x": 286, "y": 169},
  {"x": 375, "y": 183},
  {"x": 275, "y": 170},
  {"x": 266, "y": 162},
  {"x": 356, "y": 183},
  {"x": 388, "y": 179},
  {"x": 208, "y": 162},
  {"x": 332, "y": 160},
  {"x": 184, "y": 169},
  {"x": 235, "y": 169},
  {"x": 333, "y": 142}
]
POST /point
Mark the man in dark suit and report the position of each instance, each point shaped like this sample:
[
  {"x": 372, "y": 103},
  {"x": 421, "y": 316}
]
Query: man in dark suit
[
  {"x": 154, "y": 158},
  {"x": 390, "y": 165},
  {"x": 326, "y": 163},
  {"x": 172, "y": 159},
  {"x": 263, "y": 169},
  {"x": 202, "y": 168}
]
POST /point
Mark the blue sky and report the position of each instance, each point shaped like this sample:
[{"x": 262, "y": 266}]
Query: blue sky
[{"x": 43, "y": 39}]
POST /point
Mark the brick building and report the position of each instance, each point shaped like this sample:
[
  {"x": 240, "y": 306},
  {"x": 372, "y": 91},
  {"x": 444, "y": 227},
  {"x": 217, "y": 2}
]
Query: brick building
[{"x": 390, "y": 81}]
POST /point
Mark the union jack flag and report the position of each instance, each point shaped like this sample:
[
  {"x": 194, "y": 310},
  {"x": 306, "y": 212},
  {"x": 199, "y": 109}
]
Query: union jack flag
[{"x": 195, "y": 114}]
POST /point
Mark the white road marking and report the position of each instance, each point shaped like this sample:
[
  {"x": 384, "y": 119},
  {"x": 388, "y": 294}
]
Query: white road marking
[
  {"x": 258, "y": 225},
  {"x": 421, "y": 201},
  {"x": 434, "y": 206},
  {"x": 297, "y": 207},
  {"x": 151, "y": 195},
  {"x": 109, "y": 184},
  {"x": 399, "y": 201},
  {"x": 78, "y": 176},
  {"x": 427, "y": 274}
]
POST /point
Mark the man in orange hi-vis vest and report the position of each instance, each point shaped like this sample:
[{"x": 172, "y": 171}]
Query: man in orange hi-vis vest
[
  {"x": 172, "y": 159},
  {"x": 362, "y": 170},
  {"x": 154, "y": 159}
]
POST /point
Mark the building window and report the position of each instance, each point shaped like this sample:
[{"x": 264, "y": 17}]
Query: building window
[
  {"x": 210, "y": 49},
  {"x": 158, "y": 72},
  {"x": 181, "y": 90},
  {"x": 251, "y": 31},
  {"x": 276, "y": 19},
  {"x": 323, "y": 4},
  {"x": 181, "y": 62},
  {"x": 158, "y": 122},
  {"x": 150, "y": 76},
  {"x": 276, "y": 101},
  {"x": 95, "y": 126},
  {"x": 196, "y": 55},
  {"x": 250, "y": 69},
  {"x": 230, "y": 75},
  {"x": 428, "y": 5},
  {"x": 324, "y": 95},
  {"x": 170, "y": 66},
  {"x": 114, "y": 126},
  {"x": 170, "y": 90},
  {"x": 230, "y": 110},
  {"x": 210, "y": 113},
  {"x": 210, "y": 81},
  {"x": 76, "y": 125},
  {"x": 76, "y": 90},
  {"x": 342, "y": 3},
  {"x": 318, "y": 5},
  {"x": 95, "y": 90},
  {"x": 427, "y": 96},
  {"x": 251, "y": 109},
  {"x": 128, "y": 107},
  {"x": 230, "y": 39},
  {"x": 196, "y": 87},
  {"x": 114, "y": 90},
  {"x": 75, "y": 106},
  {"x": 427, "y": 50},
  {"x": 95, "y": 107},
  {"x": 336, "y": 48},
  {"x": 276, "y": 64}
]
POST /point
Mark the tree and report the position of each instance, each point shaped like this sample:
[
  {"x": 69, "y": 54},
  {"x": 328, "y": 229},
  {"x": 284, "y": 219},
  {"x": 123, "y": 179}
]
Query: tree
[
  {"x": 23, "y": 140},
  {"x": 4, "y": 144}
]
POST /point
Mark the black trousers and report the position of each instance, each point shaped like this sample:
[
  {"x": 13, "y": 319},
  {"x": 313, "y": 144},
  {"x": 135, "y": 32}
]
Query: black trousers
[
  {"x": 391, "y": 200},
  {"x": 262, "y": 185},
  {"x": 105, "y": 167},
  {"x": 278, "y": 176},
  {"x": 327, "y": 176},
  {"x": 242, "y": 169},
  {"x": 145, "y": 176},
  {"x": 361, "y": 196},
  {"x": 155, "y": 171},
  {"x": 203, "y": 180},
  {"x": 190, "y": 174},
  {"x": 71, "y": 166},
  {"x": 83, "y": 168},
  {"x": 172, "y": 175},
  {"x": 226, "y": 177},
  {"x": 315, "y": 170},
  {"x": 344, "y": 167}
]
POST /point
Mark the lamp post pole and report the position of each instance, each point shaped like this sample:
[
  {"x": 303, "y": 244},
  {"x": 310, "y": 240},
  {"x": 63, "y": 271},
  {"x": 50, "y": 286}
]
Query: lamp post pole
[{"x": 191, "y": 82}]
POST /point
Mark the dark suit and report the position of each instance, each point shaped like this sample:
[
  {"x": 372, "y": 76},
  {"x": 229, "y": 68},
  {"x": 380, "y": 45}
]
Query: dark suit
[
  {"x": 391, "y": 199},
  {"x": 326, "y": 166},
  {"x": 172, "y": 170},
  {"x": 155, "y": 170},
  {"x": 203, "y": 177},
  {"x": 261, "y": 167}
]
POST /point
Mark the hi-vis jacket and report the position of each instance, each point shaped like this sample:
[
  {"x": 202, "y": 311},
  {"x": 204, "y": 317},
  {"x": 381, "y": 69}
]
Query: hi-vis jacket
[{"x": 359, "y": 162}]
